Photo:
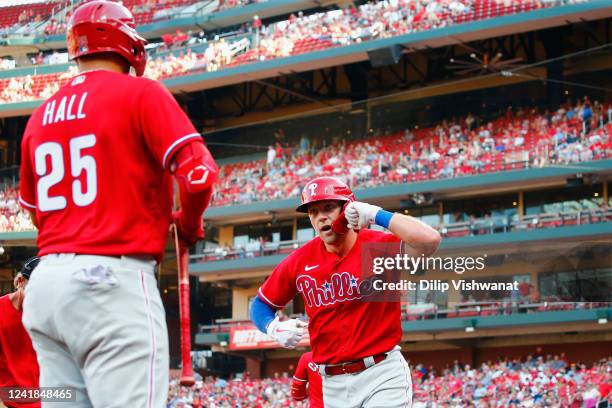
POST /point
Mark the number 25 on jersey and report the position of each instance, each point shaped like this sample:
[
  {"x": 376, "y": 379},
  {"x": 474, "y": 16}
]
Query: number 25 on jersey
[{"x": 82, "y": 195}]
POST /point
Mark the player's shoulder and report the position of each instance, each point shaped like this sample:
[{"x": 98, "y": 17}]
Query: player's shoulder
[
  {"x": 147, "y": 83},
  {"x": 143, "y": 81}
]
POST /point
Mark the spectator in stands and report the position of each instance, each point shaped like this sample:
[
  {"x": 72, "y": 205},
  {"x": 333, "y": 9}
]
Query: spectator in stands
[
  {"x": 443, "y": 156},
  {"x": 587, "y": 115},
  {"x": 271, "y": 156}
]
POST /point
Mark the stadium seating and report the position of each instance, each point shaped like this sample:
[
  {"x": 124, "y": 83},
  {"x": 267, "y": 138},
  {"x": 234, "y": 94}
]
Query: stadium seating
[
  {"x": 449, "y": 150},
  {"x": 443, "y": 151},
  {"x": 12, "y": 217},
  {"x": 26, "y": 13},
  {"x": 144, "y": 10},
  {"x": 318, "y": 31},
  {"x": 532, "y": 381}
]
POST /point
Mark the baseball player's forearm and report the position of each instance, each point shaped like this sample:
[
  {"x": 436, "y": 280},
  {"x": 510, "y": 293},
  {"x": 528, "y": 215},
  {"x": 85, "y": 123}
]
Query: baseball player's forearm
[
  {"x": 261, "y": 314},
  {"x": 195, "y": 171},
  {"x": 420, "y": 238},
  {"x": 287, "y": 333},
  {"x": 193, "y": 205},
  {"x": 298, "y": 389},
  {"x": 188, "y": 220},
  {"x": 194, "y": 167}
]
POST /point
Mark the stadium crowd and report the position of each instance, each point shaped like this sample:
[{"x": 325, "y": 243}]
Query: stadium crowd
[
  {"x": 525, "y": 138},
  {"x": 536, "y": 381},
  {"x": 373, "y": 20},
  {"x": 575, "y": 132},
  {"x": 30, "y": 88},
  {"x": 12, "y": 217},
  {"x": 305, "y": 33}
]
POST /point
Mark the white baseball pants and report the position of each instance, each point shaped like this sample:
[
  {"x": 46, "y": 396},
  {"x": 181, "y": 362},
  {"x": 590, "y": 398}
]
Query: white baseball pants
[
  {"x": 384, "y": 385},
  {"x": 98, "y": 325}
]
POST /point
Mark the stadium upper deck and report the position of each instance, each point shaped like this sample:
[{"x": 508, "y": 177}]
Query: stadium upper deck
[{"x": 322, "y": 39}]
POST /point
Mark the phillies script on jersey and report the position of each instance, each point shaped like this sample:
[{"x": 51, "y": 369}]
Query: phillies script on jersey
[
  {"x": 344, "y": 324},
  {"x": 93, "y": 168}
]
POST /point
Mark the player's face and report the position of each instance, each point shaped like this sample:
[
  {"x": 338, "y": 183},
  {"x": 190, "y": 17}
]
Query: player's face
[{"x": 322, "y": 214}]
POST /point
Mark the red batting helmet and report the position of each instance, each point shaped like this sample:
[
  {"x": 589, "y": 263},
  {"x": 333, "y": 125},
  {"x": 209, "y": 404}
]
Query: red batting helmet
[
  {"x": 324, "y": 188},
  {"x": 106, "y": 26}
]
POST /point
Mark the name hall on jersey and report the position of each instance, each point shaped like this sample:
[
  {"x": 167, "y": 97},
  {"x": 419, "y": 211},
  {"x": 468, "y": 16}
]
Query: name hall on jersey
[{"x": 65, "y": 109}]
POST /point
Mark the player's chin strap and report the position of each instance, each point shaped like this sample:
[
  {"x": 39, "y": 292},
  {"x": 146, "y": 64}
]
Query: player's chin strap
[{"x": 340, "y": 224}]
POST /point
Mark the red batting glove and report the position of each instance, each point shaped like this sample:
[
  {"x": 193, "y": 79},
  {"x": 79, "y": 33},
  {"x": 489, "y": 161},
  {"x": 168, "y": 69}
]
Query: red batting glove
[
  {"x": 298, "y": 390},
  {"x": 188, "y": 234}
]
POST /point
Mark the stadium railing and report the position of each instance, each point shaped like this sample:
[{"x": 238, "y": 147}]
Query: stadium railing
[
  {"x": 492, "y": 225},
  {"x": 430, "y": 311}
]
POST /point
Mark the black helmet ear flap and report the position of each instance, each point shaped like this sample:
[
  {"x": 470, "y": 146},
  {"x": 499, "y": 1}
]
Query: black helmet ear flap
[{"x": 29, "y": 266}]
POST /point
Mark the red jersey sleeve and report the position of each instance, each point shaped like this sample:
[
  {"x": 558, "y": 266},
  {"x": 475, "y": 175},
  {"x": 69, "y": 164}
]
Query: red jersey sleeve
[
  {"x": 279, "y": 288},
  {"x": 165, "y": 126},
  {"x": 301, "y": 372},
  {"x": 27, "y": 196}
]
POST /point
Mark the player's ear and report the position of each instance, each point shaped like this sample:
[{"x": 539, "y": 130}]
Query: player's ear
[{"x": 19, "y": 281}]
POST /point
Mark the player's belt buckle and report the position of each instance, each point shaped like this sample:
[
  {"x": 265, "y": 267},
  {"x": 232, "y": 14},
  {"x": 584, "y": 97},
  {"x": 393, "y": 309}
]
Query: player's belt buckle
[{"x": 348, "y": 367}]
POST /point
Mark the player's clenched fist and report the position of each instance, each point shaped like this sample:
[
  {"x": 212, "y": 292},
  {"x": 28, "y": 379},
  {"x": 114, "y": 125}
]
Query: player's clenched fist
[
  {"x": 298, "y": 390},
  {"x": 288, "y": 333},
  {"x": 360, "y": 215}
]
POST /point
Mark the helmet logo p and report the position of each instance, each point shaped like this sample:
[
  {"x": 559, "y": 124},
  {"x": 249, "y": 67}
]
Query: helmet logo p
[{"x": 313, "y": 189}]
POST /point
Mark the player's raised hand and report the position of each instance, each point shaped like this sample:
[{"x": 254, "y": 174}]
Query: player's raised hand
[
  {"x": 288, "y": 333},
  {"x": 360, "y": 215}
]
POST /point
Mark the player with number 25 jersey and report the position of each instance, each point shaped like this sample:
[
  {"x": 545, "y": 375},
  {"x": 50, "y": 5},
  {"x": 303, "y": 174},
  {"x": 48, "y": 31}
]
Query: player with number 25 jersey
[
  {"x": 97, "y": 168},
  {"x": 86, "y": 174}
]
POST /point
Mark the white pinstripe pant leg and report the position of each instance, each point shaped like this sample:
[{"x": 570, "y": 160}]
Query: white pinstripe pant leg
[{"x": 107, "y": 313}]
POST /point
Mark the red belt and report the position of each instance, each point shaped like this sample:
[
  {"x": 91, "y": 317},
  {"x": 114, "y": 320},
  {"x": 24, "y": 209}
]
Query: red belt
[{"x": 352, "y": 367}]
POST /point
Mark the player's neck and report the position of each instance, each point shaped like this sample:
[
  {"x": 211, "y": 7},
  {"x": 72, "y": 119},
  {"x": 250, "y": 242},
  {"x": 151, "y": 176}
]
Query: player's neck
[
  {"x": 343, "y": 246},
  {"x": 16, "y": 299},
  {"x": 100, "y": 65}
]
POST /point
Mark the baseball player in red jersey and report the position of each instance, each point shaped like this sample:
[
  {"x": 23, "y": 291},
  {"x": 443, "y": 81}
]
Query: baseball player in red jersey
[
  {"x": 307, "y": 374},
  {"x": 18, "y": 365},
  {"x": 98, "y": 159},
  {"x": 354, "y": 341}
]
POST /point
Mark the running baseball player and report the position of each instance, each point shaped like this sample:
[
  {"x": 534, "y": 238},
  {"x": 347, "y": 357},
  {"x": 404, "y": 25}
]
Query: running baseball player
[
  {"x": 355, "y": 342},
  {"x": 18, "y": 365},
  {"x": 97, "y": 163},
  {"x": 307, "y": 382}
]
